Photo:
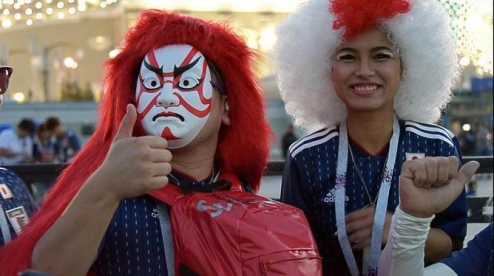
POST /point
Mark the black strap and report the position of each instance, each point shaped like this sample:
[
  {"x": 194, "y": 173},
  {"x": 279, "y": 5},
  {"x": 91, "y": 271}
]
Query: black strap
[
  {"x": 184, "y": 270},
  {"x": 220, "y": 185},
  {"x": 247, "y": 186}
]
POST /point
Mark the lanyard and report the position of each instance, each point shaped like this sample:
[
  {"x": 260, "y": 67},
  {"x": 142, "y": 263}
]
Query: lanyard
[
  {"x": 382, "y": 202},
  {"x": 166, "y": 227},
  {"x": 166, "y": 234}
]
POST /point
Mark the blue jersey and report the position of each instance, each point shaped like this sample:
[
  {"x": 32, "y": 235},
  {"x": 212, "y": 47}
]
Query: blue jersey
[
  {"x": 133, "y": 243},
  {"x": 477, "y": 258},
  {"x": 16, "y": 205},
  {"x": 309, "y": 183}
]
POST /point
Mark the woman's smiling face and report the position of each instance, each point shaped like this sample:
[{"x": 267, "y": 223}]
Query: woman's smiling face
[{"x": 366, "y": 72}]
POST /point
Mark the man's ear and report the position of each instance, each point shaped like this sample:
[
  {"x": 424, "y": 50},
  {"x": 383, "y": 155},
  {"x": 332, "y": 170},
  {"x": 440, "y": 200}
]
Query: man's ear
[
  {"x": 226, "y": 105},
  {"x": 226, "y": 110}
]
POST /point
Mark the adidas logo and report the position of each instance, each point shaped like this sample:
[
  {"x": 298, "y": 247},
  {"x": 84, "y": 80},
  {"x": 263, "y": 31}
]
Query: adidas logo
[{"x": 330, "y": 197}]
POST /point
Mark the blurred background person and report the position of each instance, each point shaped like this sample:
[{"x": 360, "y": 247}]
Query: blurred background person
[
  {"x": 67, "y": 143},
  {"x": 16, "y": 145},
  {"x": 44, "y": 146},
  {"x": 288, "y": 138},
  {"x": 483, "y": 145},
  {"x": 44, "y": 152}
]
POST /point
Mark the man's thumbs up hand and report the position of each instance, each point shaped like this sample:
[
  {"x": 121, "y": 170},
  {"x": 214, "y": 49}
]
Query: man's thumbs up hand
[{"x": 134, "y": 165}]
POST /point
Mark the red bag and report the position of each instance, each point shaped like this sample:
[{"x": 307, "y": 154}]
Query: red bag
[{"x": 238, "y": 233}]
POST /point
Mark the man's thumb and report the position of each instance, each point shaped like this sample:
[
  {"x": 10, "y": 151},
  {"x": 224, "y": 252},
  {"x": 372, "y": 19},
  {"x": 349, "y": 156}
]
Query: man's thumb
[{"x": 127, "y": 124}]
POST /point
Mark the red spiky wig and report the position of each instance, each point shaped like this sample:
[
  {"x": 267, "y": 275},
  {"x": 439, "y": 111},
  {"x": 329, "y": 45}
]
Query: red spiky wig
[
  {"x": 358, "y": 15},
  {"x": 243, "y": 146}
]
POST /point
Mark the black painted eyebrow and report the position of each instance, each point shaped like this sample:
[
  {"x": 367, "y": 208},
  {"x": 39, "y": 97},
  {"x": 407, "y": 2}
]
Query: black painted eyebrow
[
  {"x": 177, "y": 71},
  {"x": 150, "y": 67},
  {"x": 352, "y": 50}
]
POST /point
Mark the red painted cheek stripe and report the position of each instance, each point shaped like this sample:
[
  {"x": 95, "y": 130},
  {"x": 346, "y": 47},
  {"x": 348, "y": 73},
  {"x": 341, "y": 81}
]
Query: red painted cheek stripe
[
  {"x": 141, "y": 115},
  {"x": 194, "y": 111}
]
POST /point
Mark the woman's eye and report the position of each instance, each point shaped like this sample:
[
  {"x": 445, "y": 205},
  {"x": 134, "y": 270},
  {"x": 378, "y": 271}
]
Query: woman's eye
[
  {"x": 151, "y": 83},
  {"x": 345, "y": 57},
  {"x": 382, "y": 56},
  {"x": 188, "y": 83}
]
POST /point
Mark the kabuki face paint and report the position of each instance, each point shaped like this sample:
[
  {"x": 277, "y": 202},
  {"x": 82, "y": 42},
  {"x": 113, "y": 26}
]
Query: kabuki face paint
[{"x": 174, "y": 93}]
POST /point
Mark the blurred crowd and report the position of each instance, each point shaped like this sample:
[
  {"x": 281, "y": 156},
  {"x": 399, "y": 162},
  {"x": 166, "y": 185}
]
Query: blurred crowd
[
  {"x": 37, "y": 142},
  {"x": 475, "y": 140}
]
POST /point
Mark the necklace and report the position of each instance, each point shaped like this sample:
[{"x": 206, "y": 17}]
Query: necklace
[{"x": 371, "y": 204}]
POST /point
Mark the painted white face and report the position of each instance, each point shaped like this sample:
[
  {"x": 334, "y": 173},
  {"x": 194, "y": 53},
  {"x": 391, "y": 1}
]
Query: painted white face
[{"x": 174, "y": 93}]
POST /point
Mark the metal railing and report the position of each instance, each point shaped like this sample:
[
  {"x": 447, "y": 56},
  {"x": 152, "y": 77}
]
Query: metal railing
[{"x": 49, "y": 172}]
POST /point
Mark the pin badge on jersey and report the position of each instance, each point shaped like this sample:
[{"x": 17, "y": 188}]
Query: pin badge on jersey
[
  {"x": 413, "y": 156},
  {"x": 18, "y": 218},
  {"x": 5, "y": 191}
]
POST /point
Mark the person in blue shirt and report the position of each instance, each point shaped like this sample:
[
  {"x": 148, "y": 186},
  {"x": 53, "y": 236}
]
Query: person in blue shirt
[
  {"x": 16, "y": 202},
  {"x": 367, "y": 79},
  {"x": 66, "y": 141},
  {"x": 427, "y": 187}
]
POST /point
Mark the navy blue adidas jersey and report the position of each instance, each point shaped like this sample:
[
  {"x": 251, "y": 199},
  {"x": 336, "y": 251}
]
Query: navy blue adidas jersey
[
  {"x": 309, "y": 183},
  {"x": 16, "y": 203},
  {"x": 476, "y": 258}
]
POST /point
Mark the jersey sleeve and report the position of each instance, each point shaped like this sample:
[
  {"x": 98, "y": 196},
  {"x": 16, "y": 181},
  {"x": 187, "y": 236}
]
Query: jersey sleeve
[
  {"x": 292, "y": 191},
  {"x": 476, "y": 257}
]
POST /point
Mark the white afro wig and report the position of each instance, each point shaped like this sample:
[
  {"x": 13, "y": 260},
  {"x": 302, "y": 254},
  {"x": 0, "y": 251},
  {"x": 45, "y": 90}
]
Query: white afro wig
[{"x": 307, "y": 40}]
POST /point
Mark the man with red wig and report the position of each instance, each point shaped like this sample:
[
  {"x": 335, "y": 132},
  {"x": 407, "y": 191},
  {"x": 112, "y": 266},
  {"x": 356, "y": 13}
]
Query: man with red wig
[{"x": 181, "y": 107}]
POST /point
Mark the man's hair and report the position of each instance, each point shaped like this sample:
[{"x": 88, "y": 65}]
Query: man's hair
[
  {"x": 52, "y": 123},
  {"x": 27, "y": 125},
  {"x": 42, "y": 128},
  {"x": 308, "y": 38}
]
